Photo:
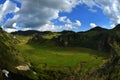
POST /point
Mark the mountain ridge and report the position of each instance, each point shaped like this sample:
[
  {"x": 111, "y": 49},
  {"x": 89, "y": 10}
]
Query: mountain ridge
[{"x": 96, "y": 38}]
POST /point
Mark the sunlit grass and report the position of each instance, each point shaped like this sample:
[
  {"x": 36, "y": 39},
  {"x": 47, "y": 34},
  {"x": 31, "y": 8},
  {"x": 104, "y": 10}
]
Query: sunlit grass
[
  {"x": 72, "y": 57},
  {"x": 63, "y": 57}
]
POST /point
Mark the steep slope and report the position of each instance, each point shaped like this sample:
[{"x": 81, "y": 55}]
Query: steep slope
[
  {"x": 8, "y": 51},
  {"x": 10, "y": 57},
  {"x": 94, "y": 39},
  {"x": 110, "y": 70},
  {"x": 98, "y": 28},
  {"x": 117, "y": 28}
]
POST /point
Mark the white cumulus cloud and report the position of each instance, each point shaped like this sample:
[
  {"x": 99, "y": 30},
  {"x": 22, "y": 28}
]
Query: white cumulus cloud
[
  {"x": 38, "y": 13},
  {"x": 7, "y": 7},
  {"x": 9, "y": 30},
  {"x": 93, "y": 25},
  {"x": 110, "y": 8},
  {"x": 62, "y": 19},
  {"x": 68, "y": 24}
]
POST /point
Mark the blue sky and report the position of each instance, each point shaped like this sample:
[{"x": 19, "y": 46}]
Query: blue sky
[
  {"x": 77, "y": 15},
  {"x": 82, "y": 13},
  {"x": 2, "y": 1}
]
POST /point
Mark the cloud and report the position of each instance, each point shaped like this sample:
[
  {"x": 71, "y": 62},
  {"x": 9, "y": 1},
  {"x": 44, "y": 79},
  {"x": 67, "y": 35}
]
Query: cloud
[
  {"x": 66, "y": 20},
  {"x": 7, "y": 7},
  {"x": 52, "y": 27},
  {"x": 89, "y": 3},
  {"x": 10, "y": 22},
  {"x": 49, "y": 27},
  {"x": 77, "y": 23},
  {"x": 93, "y": 25},
  {"x": 110, "y": 8},
  {"x": 9, "y": 30},
  {"x": 112, "y": 25},
  {"x": 62, "y": 19},
  {"x": 37, "y": 13},
  {"x": 68, "y": 24},
  {"x": 92, "y": 10}
]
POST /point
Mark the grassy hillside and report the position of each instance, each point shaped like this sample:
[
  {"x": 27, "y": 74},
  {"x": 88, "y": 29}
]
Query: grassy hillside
[
  {"x": 10, "y": 57},
  {"x": 8, "y": 52},
  {"x": 110, "y": 70},
  {"x": 46, "y": 57},
  {"x": 72, "y": 56}
]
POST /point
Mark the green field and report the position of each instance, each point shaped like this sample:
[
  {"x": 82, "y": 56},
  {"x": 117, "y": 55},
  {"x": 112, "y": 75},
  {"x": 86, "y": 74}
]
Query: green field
[{"x": 45, "y": 57}]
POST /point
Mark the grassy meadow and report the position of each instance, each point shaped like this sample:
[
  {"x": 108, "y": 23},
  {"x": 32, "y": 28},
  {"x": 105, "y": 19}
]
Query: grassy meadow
[{"x": 61, "y": 58}]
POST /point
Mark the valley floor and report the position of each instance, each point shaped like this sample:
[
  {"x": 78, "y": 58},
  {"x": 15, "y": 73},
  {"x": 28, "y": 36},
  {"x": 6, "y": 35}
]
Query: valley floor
[{"x": 75, "y": 59}]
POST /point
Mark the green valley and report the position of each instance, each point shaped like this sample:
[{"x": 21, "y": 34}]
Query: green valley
[{"x": 66, "y": 55}]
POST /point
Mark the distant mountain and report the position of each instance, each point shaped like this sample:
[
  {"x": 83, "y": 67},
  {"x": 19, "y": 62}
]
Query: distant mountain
[
  {"x": 29, "y": 32},
  {"x": 117, "y": 27},
  {"x": 26, "y": 33},
  {"x": 98, "y": 28},
  {"x": 96, "y": 38}
]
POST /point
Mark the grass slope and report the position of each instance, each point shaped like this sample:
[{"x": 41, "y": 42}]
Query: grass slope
[
  {"x": 51, "y": 52},
  {"x": 76, "y": 59},
  {"x": 9, "y": 55}
]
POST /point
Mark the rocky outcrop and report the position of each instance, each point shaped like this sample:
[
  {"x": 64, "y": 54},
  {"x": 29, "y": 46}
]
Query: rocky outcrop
[{"x": 23, "y": 67}]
